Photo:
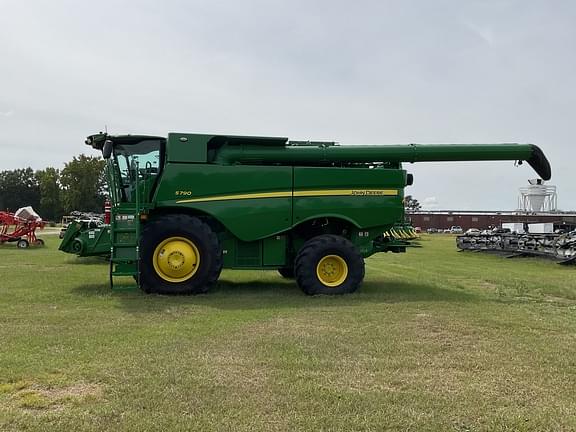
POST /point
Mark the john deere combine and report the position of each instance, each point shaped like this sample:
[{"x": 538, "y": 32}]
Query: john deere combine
[{"x": 185, "y": 206}]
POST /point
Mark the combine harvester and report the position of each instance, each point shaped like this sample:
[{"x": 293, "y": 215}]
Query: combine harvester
[
  {"x": 20, "y": 227},
  {"x": 187, "y": 205}
]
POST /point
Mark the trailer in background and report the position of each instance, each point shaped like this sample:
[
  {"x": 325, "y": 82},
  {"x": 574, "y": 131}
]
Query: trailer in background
[{"x": 20, "y": 227}]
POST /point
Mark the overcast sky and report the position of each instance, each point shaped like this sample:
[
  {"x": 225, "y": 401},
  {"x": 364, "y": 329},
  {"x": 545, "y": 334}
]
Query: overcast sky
[{"x": 362, "y": 72}]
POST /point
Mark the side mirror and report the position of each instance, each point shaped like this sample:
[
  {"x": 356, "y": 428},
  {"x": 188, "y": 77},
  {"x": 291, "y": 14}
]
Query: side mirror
[{"x": 107, "y": 149}]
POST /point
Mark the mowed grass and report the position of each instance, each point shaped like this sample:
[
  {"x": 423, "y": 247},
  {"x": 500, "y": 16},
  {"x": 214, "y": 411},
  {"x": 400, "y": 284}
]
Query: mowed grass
[{"x": 435, "y": 340}]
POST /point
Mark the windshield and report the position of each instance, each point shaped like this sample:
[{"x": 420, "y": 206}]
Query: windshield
[{"x": 145, "y": 155}]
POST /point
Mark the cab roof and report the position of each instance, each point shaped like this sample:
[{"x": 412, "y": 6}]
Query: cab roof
[{"x": 97, "y": 140}]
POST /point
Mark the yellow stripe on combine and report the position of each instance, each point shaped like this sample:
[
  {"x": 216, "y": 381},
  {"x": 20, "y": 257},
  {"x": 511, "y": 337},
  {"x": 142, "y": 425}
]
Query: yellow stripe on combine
[
  {"x": 298, "y": 194},
  {"x": 347, "y": 192},
  {"x": 286, "y": 194}
]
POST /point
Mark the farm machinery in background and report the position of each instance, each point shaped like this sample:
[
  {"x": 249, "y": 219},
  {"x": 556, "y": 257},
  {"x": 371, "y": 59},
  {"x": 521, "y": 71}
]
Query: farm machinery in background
[
  {"x": 187, "y": 205},
  {"x": 92, "y": 219},
  {"x": 521, "y": 238},
  {"x": 87, "y": 234},
  {"x": 20, "y": 227},
  {"x": 559, "y": 246}
]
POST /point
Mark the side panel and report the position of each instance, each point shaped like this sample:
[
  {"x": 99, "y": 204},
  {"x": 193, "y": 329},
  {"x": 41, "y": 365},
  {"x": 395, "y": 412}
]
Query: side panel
[
  {"x": 252, "y": 202},
  {"x": 182, "y": 147},
  {"x": 367, "y": 197},
  {"x": 274, "y": 249},
  {"x": 269, "y": 252}
]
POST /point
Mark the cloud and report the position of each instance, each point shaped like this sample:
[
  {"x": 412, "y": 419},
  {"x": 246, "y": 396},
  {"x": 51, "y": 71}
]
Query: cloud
[
  {"x": 6, "y": 113},
  {"x": 430, "y": 203},
  {"x": 485, "y": 33}
]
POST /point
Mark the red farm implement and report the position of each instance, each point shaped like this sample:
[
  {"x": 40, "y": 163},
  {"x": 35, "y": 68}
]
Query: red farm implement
[{"x": 20, "y": 227}]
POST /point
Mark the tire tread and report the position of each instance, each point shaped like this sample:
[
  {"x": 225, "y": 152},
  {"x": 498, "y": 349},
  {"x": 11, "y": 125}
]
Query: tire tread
[
  {"x": 309, "y": 255},
  {"x": 191, "y": 223}
]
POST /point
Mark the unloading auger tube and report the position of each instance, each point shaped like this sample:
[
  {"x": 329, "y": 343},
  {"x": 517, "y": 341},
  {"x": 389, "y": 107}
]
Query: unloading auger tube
[{"x": 302, "y": 154}]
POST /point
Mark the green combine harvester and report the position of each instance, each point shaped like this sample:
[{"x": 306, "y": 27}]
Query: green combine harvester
[{"x": 186, "y": 206}]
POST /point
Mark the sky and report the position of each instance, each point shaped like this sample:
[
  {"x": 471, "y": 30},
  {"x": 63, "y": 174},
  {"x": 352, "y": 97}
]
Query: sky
[{"x": 362, "y": 72}]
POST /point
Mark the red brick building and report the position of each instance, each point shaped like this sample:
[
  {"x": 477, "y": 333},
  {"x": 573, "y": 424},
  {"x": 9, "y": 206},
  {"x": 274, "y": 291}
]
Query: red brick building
[{"x": 442, "y": 219}]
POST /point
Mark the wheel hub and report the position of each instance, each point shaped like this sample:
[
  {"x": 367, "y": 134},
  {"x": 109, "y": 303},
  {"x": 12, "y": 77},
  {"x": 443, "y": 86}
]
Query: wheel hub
[
  {"x": 332, "y": 270},
  {"x": 176, "y": 259}
]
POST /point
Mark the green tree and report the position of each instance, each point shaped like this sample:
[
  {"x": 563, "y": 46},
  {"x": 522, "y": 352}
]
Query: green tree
[
  {"x": 50, "y": 193},
  {"x": 83, "y": 183},
  {"x": 411, "y": 204},
  {"x": 19, "y": 188}
]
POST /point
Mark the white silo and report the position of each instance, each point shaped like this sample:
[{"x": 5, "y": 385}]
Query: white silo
[{"x": 537, "y": 197}]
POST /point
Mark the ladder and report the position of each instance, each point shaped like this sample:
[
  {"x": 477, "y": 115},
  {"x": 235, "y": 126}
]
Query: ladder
[
  {"x": 124, "y": 231},
  {"x": 124, "y": 235}
]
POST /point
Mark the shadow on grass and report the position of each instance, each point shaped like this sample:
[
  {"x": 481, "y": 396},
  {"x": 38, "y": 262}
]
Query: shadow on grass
[
  {"x": 253, "y": 295},
  {"x": 87, "y": 261}
]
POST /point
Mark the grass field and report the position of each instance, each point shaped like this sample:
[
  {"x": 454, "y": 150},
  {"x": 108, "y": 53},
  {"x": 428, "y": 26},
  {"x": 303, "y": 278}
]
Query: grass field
[{"x": 435, "y": 340}]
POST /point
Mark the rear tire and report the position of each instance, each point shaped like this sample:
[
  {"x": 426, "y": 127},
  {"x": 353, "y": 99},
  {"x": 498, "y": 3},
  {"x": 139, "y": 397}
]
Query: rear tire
[
  {"x": 329, "y": 264},
  {"x": 180, "y": 254}
]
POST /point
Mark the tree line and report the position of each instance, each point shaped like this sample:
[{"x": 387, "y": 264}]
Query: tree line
[{"x": 80, "y": 185}]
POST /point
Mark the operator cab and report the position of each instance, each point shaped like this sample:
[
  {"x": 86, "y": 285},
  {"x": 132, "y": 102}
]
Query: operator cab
[
  {"x": 141, "y": 159},
  {"x": 133, "y": 163}
]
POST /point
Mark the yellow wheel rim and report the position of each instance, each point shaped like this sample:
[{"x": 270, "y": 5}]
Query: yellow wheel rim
[
  {"x": 332, "y": 270},
  {"x": 176, "y": 259}
]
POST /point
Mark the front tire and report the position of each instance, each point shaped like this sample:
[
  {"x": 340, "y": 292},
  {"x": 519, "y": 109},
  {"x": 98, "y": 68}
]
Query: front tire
[
  {"x": 329, "y": 264},
  {"x": 180, "y": 254},
  {"x": 22, "y": 244}
]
